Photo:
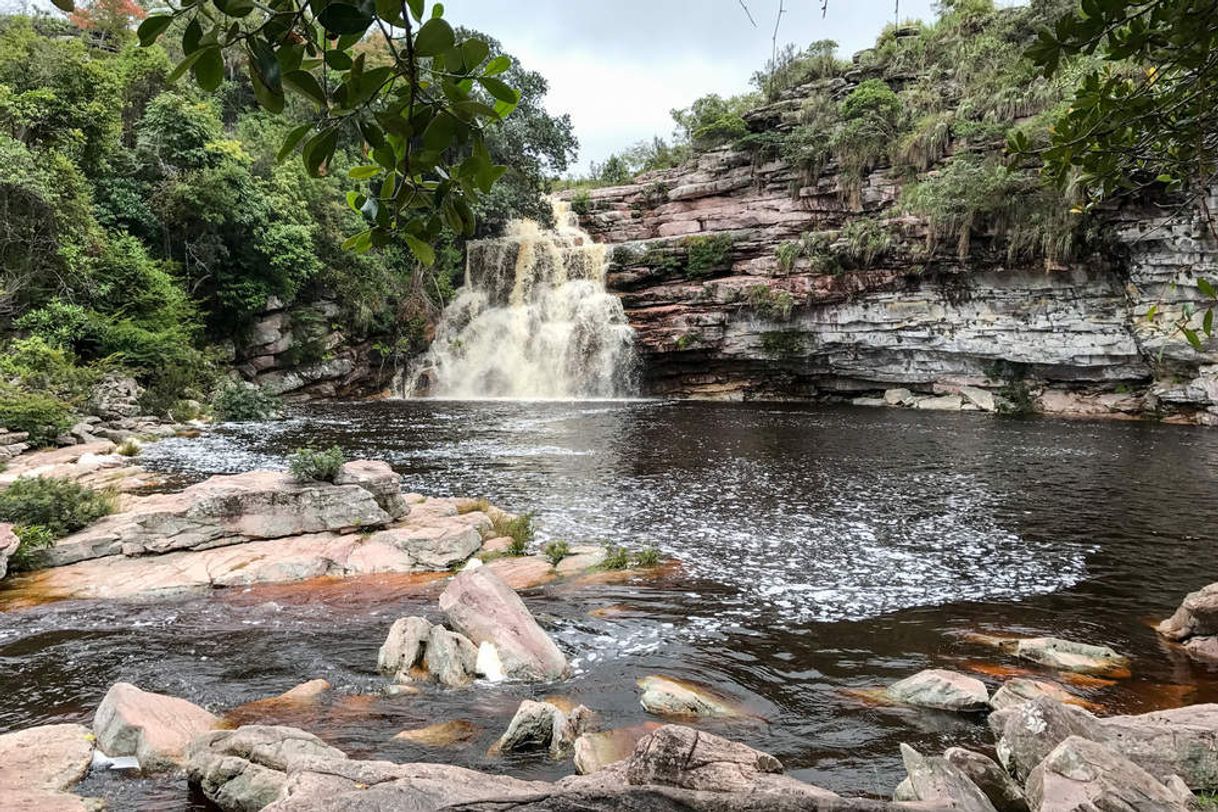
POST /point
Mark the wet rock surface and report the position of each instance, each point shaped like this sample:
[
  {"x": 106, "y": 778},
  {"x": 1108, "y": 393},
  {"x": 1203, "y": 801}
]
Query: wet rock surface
[
  {"x": 154, "y": 728},
  {"x": 941, "y": 690}
]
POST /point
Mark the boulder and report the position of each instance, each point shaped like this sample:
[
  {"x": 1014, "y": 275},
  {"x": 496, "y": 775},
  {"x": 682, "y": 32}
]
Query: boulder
[
  {"x": 899, "y": 397},
  {"x": 1019, "y": 690},
  {"x": 581, "y": 560},
  {"x": 1067, "y": 655},
  {"x": 8, "y": 546},
  {"x": 1196, "y": 617},
  {"x": 1029, "y": 732},
  {"x": 944, "y": 403},
  {"x": 523, "y": 572},
  {"x": 40, "y": 764},
  {"x": 403, "y": 649},
  {"x": 1181, "y": 741},
  {"x": 1080, "y": 775},
  {"x": 115, "y": 397},
  {"x": 682, "y": 757},
  {"x": 941, "y": 690},
  {"x": 990, "y": 778},
  {"x": 436, "y": 546},
  {"x": 667, "y": 696},
  {"x": 596, "y": 751},
  {"x": 532, "y": 728},
  {"x": 939, "y": 783},
  {"x": 244, "y": 770},
  {"x": 983, "y": 399},
  {"x": 378, "y": 479},
  {"x": 310, "y": 691},
  {"x": 449, "y": 657},
  {"x": 568, "y": 729},
  {"x": 154, "y": 728},
  {"x": 484, "y": 609}
]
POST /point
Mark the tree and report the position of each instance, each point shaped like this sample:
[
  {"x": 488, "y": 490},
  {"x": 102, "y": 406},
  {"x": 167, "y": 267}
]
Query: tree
[
  {"x": 112, "y": 19},
  {"x": 409, "y": 115},
  {"x": 1148, "y": 118}
]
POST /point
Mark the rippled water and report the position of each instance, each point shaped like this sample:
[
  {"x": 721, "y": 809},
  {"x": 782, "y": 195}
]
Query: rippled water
[{"x": 823, "y": 551}]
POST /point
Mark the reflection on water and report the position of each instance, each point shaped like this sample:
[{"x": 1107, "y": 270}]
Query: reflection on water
[{"x": 823, "y": 551}]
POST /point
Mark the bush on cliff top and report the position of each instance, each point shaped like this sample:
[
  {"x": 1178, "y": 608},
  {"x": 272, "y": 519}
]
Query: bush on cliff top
[
  {"x": 59, "y": 505},
  {"x": 314, "y": 465}
]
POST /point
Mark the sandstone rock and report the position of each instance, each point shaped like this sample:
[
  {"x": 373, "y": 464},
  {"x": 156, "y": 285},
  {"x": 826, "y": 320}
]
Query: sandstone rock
[
  {"x": 403, "y": 649},
  {"x": 378, "y": 479},
  {"x": 115, "y": 397},
  {"x": 1082, "y": 776},
  {"x": 667, "y": 696},
  {"x": 899, "y": 397},
  {"x": 990, "y": 778},
  {"x": 1197, "y": 616},
  {"x": 442, "y": 734},
  {"x": 944, "y": 403},
  {"x": 532, "y": 727},
  {"x": 480, "y": 606},
  {"x": 682, "y": 757},
  {"x": 574, "y": 722},
  {"x": 244, "y": 770},
  {"x": 1181, "y": 741},
  {"x": 1030, "y": 731},
  {"x": 983, "y": 399},
  {"x": 449, "y": 657},
  {"x": 523, "y": 572},
  {"x": 938, "y": 782},
  {"x": 40, "y": 764},
  {"x": 942, "y": 690},
  {"x": 1019, "y": 690},
  {"x": 581, "y": 559},
  {"x": 154, "y": 728},
  {"x": 310, "y": 691},
  {"x": 8, "y": 546},
  {"x": 595, "y": 751},
  {"x": 1067, "y": 655},
  {"x": 434, "y": 546}
]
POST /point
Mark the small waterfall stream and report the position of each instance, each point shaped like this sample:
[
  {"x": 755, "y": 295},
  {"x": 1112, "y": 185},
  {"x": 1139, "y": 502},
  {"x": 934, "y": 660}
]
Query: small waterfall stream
[{"x": 533, "y": 321}]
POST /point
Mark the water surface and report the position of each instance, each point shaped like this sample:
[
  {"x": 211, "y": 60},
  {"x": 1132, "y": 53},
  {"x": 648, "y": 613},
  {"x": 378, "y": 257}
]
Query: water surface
[{"x": 823, "y": 552}]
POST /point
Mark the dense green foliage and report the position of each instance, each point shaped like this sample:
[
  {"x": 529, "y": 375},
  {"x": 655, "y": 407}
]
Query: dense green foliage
[
  {"x": 240, "y": 402},
  {"x": 143, "y": 222},
  {"x": 60, "y": 506},
  {"x": 34, "y": 541},
  {"x": 316, "y": 465},
  {"x": 518, "y": 528},
  {"x": 555, "y": 551}
]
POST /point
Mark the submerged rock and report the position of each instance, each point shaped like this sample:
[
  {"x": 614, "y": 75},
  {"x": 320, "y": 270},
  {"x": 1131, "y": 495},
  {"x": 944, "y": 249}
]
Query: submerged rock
[
  {"x": 1081, "y": 776},
  {"x": 667, "y": 696},
  {"x": 40, "y": 764},
  {"x": 1195, "y": 623},
  {"x": 484, "y": 609},
  {"x": 1018, "y": 691},
  {"x": 154, "y": 728},
  {"x": 942, "y": 690},
  {"x": 1067, "y": 655},
  {"x": 596, "y": 751},
  {"x": 532, "y": 727},
  {"x": 442, "y": 734}
]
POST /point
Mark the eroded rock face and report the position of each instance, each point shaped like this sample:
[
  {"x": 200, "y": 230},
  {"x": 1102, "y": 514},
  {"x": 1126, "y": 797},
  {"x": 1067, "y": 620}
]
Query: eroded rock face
[
  {"x": 8, "y": 546},
  {"x": 938, "y": 782},
  {"x": 941, "y": 690},
  {"x": 683, "y": 757},
  {"x": 1068, "y": 655},
  {"x": 39, "y": 765},
  {"x": 1019, "y": 690},
  {"x": 403, "y": 649},
  {"x": 1029, "y": 732},
  {"x": 596, "y": 751},
  {"x": 484, "y": 609},
  {"x": 990, "y": 778},
  {"x": 449, "y": 657},
  {"x": 154, "y": 728},
  {"x": 1081, "y": 775}
]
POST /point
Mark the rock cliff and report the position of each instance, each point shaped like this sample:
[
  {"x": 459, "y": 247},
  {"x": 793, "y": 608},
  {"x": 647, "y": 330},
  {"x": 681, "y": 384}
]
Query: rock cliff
[{"x": 759, "y": 320}]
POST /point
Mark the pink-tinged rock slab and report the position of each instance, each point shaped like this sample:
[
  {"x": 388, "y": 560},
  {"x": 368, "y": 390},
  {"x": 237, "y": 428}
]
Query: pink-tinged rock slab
[
  {"x": 523, "y": 572},
  {"x": 154, "y": 728}
]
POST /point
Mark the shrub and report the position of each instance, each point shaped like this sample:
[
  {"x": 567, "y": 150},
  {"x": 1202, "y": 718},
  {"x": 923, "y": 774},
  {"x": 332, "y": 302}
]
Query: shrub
[
  {"x": 649, "y": 556},
  {"x": 770, "y": 303},
  {"x": 314, "y": 465},
  {"x": 581, "y": 203},
  {"x": 866, "y": 241},
  {"x": 128, "y": 448},
  {"x": 556, "y": 551},
  {"x": 616, "y": 557},
  {"x": 707, "y": 254},
  {"x": 42, "y": 416},
  {"x": 787, "y": 253},
  {"x": 519, "y": 529},
  {"x": 58, "y": 505},
  {"x": 35, "y": 539},
  {"x": 37, "y": 365},
  {"x": 244, "y": 401},
  {"x": 783, "y": 343}
]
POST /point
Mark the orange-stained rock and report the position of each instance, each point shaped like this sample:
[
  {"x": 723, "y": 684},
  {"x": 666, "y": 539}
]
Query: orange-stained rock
[{"x": 441, "y": 734}]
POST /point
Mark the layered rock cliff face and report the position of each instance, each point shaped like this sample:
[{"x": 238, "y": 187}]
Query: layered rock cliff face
[{"x": 1068, "y": 337}]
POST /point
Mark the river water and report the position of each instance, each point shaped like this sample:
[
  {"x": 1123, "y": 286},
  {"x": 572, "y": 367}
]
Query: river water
[{"x": 823, "y": 552}]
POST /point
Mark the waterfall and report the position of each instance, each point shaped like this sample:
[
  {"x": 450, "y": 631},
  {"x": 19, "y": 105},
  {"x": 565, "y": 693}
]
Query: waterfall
[{"x": 533, "y": 320}]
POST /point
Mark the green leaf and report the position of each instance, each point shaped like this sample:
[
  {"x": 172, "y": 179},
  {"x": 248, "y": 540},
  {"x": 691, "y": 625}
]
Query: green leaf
[
  {"x": 497, "y": 66},
  {"x": 208, "y": 69},
  {"x": 500, "y": 90},
  {"x": 339, "y": 60},
  {"x": 318, "y": 150},
  {"x": 390, "y": 11},
  {"x": 306, "y": 84},
  {"x": 1192, "y": 337},
  {"x": 344, "y": 18},
  {"x": 363, "y": 172},
  {"x": 361, "y": 243},
  {"x": 293, "y": 138},
  {"x": 439, "y": 134},
  {"x": 1206, "y": 287},
  {"x": 356, "y": 201},
  {"x": 421, "y": 250},
  {"x": 435, "y": 37},
  {"x": 192, "y": 37},
  {"x": 416, "y": 8},
  {"x": 151, "y": 28},
  {"x": 66, "y": 6},
  {"x": 473, "y": 51},
  {"x": 1207, "y": 323},
  {"x": 235, "y": 8}
]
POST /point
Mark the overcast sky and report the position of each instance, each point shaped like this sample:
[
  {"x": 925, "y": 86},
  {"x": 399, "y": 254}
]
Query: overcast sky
[{"x": 619, "y": 66}]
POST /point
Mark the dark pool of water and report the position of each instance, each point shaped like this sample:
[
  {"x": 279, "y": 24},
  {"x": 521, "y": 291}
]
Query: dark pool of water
[{"x": 823, "y": 551}]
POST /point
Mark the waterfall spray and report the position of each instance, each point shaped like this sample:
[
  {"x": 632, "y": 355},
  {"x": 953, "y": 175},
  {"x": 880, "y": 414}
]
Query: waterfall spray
[{"x": 533, "y": 320}]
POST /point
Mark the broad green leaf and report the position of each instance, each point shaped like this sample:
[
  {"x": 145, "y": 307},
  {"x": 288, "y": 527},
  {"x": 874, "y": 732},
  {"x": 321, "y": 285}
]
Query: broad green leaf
[
  {"x": 1206, "y": 287},
  {"x": 344, "y": 18},
  {"x": 152, "y": 28},
  {"x": 435, "y": 37},
  {"x": 306, "y": 84},
  {"x": 390, "y": 11},
  {"x": 497, "y": 66},
  {"x": 416, "y": 8},
  {"x": 422, "y": 251},
  {"x": 209, "y": 69},
  {"x": 339, "y": 60},
  {"x": 500, "y": 90},
  {"x": 192, "y": 37},
  {"x": 293, "y": 138},
  {"x": 1192, "y": 337},
  {"x": 183, "y": 66},
  {"x": 355, "y": 201},
  {"x": 66, "y": 6},
  {"x": 473, "y": 51},
  {"x": 235, "y": 8},
  {"x": 1207, "y": 322},
  {"x": 318, "y": 150},
  {"x": 360, "y": 243},
  {"x": 363, "y": 172}
]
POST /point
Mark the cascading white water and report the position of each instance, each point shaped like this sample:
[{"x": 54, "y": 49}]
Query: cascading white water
[{"x": 533, "y": 321}]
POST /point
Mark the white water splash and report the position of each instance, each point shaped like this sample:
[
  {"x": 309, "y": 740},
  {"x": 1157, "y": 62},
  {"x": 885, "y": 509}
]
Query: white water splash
[{"x": 533, "y": 321}]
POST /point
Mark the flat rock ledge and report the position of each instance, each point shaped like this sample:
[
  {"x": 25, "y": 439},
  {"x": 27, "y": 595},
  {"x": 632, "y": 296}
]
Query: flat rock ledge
[{"x": 40, "y": 765}]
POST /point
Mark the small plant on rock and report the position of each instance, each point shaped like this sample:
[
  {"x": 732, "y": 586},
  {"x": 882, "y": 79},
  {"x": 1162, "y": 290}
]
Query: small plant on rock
[
  {"x": 474, "y": 506},
  {"x": 649, "y": 556},
  {"x": 128, "y": 448},
  {"x": 59, "y": 506},
  {"x": 556, "y": 551},
  {"x": 35, "y": 540},
  {"x": 616, "y": 557},
  {"x": 708, "y": 254},
  {"x": 519, "y": 529},
  {"x": 314, "y": 465},
  {"x": 242, "y": 402}
]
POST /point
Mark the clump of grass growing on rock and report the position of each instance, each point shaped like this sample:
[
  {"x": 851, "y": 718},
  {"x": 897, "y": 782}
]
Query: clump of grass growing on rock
[
  {"x": 708, "y": 254},
  {"x": 616, "y": 557},
  {"x": 556, "y": 551},
  {"x": 59, "y": 506},
  {"x": 649, "y": 556},
  {"x": 474, "y": 506},
  {"x": 128, "y": 448},
  {"x": 518, "y": 528},
  {"x": 35, "y": 540},
  {"x": 316, "y": 465}
]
